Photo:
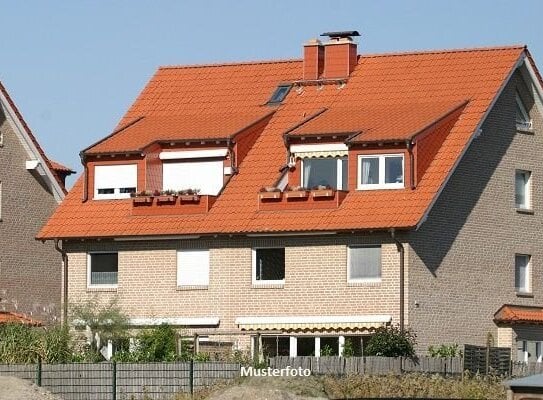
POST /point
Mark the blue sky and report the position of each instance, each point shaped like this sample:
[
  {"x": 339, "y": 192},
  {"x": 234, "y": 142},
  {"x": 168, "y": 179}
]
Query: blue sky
[{"x": 74, "y": 67}]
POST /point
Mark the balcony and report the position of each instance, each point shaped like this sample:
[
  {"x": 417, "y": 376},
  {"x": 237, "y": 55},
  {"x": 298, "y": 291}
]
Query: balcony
[
  {"x": 302, "y": 199},
  {"x": 172, "y": 204}
]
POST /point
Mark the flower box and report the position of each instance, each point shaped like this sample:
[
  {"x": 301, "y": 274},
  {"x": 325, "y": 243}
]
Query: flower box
[
  {"x": 189, "y": 198},
  {"x": 270, "y": 195},
  {"x": 142, "y": 200},
  {"x": 297, "y": 194},
  {"x": 166, "y": 199},
  {"x": 194, "y": 204},
  {"x": 323, "y": 193}
]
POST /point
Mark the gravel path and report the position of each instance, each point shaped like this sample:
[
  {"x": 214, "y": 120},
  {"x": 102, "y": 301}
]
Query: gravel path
[{"x": 18, "y": 389}]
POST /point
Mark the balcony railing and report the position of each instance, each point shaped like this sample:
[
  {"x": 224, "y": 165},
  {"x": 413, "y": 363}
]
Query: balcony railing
[
  {"x": 300, "y": 199},
  {"x": 103, "y": 278}
]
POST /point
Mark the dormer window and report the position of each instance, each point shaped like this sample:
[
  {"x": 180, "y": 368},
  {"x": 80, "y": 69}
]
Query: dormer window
[
  {"x": 382, "y": 171},
  {"x": 197, "y": 169},
  {"x": 115, "y": 181},
  {"x": 330, "y": 172},
  {"x": 522, "y": 117}
]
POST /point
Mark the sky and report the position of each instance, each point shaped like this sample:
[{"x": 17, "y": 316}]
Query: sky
[{"x": 74, "y": 67}]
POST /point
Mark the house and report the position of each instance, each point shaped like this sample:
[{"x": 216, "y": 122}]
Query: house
[
  {"x": 338, "y": 193},
  {"x": 31, "y": 187}
]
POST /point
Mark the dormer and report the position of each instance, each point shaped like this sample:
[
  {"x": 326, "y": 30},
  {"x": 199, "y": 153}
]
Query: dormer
[{"x": 171, "y": 156}]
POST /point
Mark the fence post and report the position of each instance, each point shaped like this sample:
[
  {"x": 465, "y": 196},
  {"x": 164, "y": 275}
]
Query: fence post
[
  {"x": 38, "y": 372},
  {"x": 191, "y": 377},
  {"x": 114, "y": 380}
]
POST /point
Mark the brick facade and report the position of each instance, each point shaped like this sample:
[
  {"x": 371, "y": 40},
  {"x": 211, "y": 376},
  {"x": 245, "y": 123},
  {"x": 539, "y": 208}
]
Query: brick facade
[
  {"x": 462, "y": 259},
  {"x": 29, "y": 270}
]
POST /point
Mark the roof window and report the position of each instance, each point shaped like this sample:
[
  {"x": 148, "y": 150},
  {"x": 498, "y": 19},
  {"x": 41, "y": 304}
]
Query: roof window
[
  {"x": 522, "y": 118},
  {"x": 279, "y": 95}
]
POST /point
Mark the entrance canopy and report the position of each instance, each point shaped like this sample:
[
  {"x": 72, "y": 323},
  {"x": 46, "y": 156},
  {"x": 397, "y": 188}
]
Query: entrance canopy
[{"x": 314, "y": 323}]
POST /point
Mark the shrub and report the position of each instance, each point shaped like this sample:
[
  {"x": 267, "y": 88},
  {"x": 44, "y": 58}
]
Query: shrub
[
  {"x": 445, "y": 351},
  {"x": 391, "y": 342},
  {"x": 348, "y": 348}
]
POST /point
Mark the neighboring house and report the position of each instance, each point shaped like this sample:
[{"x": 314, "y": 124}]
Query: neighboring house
[
  {"x": 31, "y": 187},
  {"x": 425, "y": 204}
]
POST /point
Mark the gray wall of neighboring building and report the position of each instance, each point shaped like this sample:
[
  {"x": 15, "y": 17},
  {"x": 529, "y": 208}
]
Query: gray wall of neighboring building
[
  {"x": 462, "y": 259},
  {"x": 30, "y": 271}
]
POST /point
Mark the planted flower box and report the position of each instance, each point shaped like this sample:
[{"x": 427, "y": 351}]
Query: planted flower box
[
  {"x": 304, "y": 200},
  {"x": 270, "y": 195},
  {"x": 142, "y": 201},
  {"x": 187, "y": 204},
  {"x": 169, "y": 199}
]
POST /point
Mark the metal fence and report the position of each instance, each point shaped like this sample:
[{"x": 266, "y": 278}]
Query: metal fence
[{"x": 120, "y": 381}]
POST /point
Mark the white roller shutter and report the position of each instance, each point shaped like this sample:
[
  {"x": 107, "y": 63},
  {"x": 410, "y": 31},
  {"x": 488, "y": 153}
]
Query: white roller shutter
[
  {"x": 204, "y": 175},
  {"x": 115, "y": 177},
  {"x": 193, "y": 268}
]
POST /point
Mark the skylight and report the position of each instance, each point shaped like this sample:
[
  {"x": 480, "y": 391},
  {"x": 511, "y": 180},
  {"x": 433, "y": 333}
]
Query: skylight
[{"x": 279, "y": 95}]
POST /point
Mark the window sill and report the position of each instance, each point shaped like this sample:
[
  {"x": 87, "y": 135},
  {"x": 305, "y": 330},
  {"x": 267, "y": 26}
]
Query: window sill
[
  {"x": 392, "y": 186},
  {"x": 528, "y": 211},
  {"x": 525, "y": 294},
  {"x": 101, "y": 288},
  {"x": 276, "y": 285},
  {"x": 192, "y": 287},
  {"x": 368, "y": 282},
  {"x": 526, "y": 131}
]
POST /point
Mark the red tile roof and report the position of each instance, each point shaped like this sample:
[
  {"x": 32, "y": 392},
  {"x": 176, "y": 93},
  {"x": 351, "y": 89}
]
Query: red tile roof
[
  {"x": 377, "y": 122},
  {"x": 16, "y": 318},
  {"x": 61, "y": 168},
  {"x": 149, "y": 129},
  {"x": 511, "y": 314},
  {"x": 445, "y": 78},
  {"x": 28, "y": 131}
]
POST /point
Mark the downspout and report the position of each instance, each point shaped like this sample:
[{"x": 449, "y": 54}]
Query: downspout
[
  {"x": 85, "y": 177},
  {"x": 401, "y": 250},
  {"x": 64, "y": 282},
  {"x": 409, "y": 144}
]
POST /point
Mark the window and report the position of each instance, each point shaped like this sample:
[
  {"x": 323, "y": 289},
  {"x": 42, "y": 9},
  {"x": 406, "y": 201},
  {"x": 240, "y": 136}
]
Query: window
[
  {"x": 522, "y": 118},
  {"x": 522, "y": 189},
  {"x": 522, "y": 273},
  {"x": 273, "y": 346},
  {"x": 279, "y": 95},
  {"x": 269, "y": 266},
  {"x": 380, "y": 171},
  {"x": 193, "y": 268},
  {"x": 207, "y": 176},
  {"x": 103, "y": 269},
  {"x": 364, "y": 264},
  {"x": 330, "y": 172},
  {"x": 115, "y": 181}
]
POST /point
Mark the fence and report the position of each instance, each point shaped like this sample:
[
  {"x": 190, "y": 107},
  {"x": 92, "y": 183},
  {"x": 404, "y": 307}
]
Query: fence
[
  {"x": 120, "y": 381},
  {"x": 370, "y": 365}
]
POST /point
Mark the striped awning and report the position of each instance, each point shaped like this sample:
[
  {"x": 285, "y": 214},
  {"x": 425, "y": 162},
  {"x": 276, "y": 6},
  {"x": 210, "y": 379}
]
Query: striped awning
[
  {"x": 321, "y": 154},
  {"x": 319, "y": 150},
  {"x": 314, "y": 323}
]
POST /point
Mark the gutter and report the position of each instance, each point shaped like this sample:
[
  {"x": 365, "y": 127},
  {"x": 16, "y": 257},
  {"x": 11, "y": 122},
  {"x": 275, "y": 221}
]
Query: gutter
[
  {"x": 64, "y": 282},
  {"x": 401, "y": 250},
  {"x": 409, "y": 145},
  {"x": 85, "y": 177}
]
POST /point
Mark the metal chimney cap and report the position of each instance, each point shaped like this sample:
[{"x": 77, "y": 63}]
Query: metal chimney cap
[{"x": 341, "y": 34}]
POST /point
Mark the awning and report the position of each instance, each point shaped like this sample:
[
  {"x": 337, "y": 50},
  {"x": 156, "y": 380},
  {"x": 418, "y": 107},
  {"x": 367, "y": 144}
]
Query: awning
[
  {"x": 509, "y": 314},
  {"x": 319, "y": 150},
  {"x": 314, "y": 323}
]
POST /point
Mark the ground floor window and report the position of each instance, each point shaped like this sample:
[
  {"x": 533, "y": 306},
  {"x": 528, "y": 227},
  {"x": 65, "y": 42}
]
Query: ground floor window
[
  {"x": 529, "y": 351},
  {"x": 310, "y": 346}
]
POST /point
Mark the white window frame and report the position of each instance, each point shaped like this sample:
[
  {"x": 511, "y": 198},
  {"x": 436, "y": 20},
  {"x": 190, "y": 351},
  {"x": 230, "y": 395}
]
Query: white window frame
[
  {"x": 527, "y": 123},
  {"x": 116, "y": 190},
  {"x": 339, "y": 171},
  {"x": 253, "y": 267},
  {"x": 363, "y": 280},
  {"x": 89, "y": 266},
  {"x": 528, "y": 187},
  {"x": 528, "y": 284},
  {"x": 179, "y": 276},
  {"x": 381, "y": 184}
]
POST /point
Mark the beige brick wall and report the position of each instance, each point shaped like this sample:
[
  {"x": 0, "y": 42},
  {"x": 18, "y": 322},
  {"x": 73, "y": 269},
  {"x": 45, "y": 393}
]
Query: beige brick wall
[
  {"x": 315, "y": 283},
  {"x": 462, "y": 258},
  {"x": 29, "y": 270}
]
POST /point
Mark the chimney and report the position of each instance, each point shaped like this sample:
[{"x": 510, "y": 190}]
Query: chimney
[
  {"x": 340, "y": 57},
  {"x": 313, "y": 59}
]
